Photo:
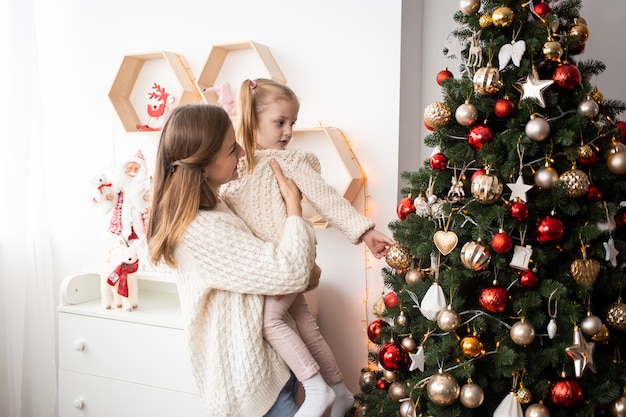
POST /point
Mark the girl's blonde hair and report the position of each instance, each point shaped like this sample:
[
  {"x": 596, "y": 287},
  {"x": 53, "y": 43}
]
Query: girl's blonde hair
[
  {"x": 190, "y": 139},
  {"x": 254, "y": 96}
]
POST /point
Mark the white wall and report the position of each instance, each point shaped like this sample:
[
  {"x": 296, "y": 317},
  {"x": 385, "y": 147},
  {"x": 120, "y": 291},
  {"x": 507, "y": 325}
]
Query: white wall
[{"x": 341, "y": 57}]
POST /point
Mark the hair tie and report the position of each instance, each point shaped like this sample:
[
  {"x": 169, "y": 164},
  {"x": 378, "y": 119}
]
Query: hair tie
[
  {"x": 171, "y": 167},
  {"x": 252, "y": 84}
]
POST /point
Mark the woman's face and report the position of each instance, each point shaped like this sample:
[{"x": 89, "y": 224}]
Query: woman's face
[{"x": 223, "y": 167}]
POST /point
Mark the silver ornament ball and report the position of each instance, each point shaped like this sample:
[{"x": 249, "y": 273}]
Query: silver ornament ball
[
  {"x": 466, "y": 114},
  {"x": 448, "y": 320},
  {"x": 397, "y": 391},
  {"x": 588, "y": 108},
  {"x": 591, "y": 325},
  {"x": 618, "y": 407},
  {"x": 537, "y": 129},
  {"x": 409, "y": 344},
  {"x": 472, "y": 395},
  {"x": 407, "y": 409},
  {"x": 443, "y": 389},
  {"x": 469, "y": 7},
  {"x": 367, "y": 378},
  {"x": 537, "y": 410},
  {"x": 546, "y": 177},
  {"x": 522, "y": 333},
  {"x": 616, "y": 162},
  {"x": 413, "y": 276}
]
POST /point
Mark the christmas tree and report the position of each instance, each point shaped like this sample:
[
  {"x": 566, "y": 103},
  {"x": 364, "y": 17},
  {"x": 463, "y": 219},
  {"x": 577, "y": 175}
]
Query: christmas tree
[{"x": 503, "y": 294}]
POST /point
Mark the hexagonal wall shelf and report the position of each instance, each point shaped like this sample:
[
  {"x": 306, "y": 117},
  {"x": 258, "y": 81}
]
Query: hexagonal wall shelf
[
  {"x": 179, "y": 88},
  {"x": 218, "y": 56},
  {"x": 340, "y": 167}
]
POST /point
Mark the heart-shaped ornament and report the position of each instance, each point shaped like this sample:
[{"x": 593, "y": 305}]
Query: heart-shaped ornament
[
  {"x": 445, "y": 241},
  {"x": 585, "y": 271}
]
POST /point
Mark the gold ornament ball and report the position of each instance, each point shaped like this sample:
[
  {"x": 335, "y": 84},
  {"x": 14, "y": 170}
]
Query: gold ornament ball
[
  {"x": 469, "y": 7},
  {"x": 443, "y": 389},
  {"x": 577, "y": 182},
  {"x": 616, "y": 316},
  {"x": 485, "y": 20},
  {"x": 602, "y": 336},
  {"x": 614, "y": 148},
  {"x": 398, "y": 257},
  {"x": 367, "y": 378},
  {"x": 486, "y": 188},
  {"x": 596, "y": 95},
  {"x": 579, "y": 31},
  {"x": 437, "y": 114},
  {"x": 475, "y": 256},
  {"x": 472, "y": 347},
  {"x": 448, "y": 320},
  {"x": 413, "y": 276},
  {"x": 502, "y": 16},
  {"x": 397, "y": 391},
  {"x": 524, "y": 395},
  {"x": 472, "y": 395},
  {"x": 618, "y": 407},
  {"x": 585, "y": 271},
  {"x": 537, "y": 410},
  {"x": 522, "y": 333},
  {"x": 584, "y": 151},
  {"x": 552, "y": 50},
  {"x": 616, "y": 162},
  {"x": 487, "y": 80}
]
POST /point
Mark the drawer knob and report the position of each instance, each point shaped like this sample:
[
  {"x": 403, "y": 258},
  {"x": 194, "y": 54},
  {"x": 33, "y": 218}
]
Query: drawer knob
[
  {"x": 79, "y": 345},
  {"x": 78, "y": 403}
]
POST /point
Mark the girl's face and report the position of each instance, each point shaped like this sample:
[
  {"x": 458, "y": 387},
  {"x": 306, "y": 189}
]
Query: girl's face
[
  {"x": 275, "y": 124},
  {"x": 223, "y": 167}
]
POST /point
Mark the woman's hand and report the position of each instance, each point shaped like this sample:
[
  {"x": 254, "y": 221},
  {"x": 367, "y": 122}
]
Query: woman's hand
[{"x": 290, "y": 191}]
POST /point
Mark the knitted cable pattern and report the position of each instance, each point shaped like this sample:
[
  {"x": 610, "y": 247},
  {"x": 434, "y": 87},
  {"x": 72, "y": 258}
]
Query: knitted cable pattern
[{"x": 223, "y": 275}]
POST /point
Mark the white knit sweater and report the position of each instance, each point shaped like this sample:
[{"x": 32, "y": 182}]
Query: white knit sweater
[
  {"x": 224, "y": 272},
  {"x": 256, "y": 198}
]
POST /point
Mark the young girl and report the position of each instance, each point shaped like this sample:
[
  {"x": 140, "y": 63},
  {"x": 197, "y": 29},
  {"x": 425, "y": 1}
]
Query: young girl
[
  {"x": 223, "y": 271},
  {"x": 268, "y": 111}
]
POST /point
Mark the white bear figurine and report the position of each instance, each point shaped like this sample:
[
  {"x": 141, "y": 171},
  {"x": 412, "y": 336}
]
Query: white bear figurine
[{"x": 103, "y": 187}]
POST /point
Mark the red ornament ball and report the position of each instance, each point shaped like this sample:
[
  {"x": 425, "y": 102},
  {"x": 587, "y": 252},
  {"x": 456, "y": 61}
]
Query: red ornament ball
[
  {"x": 479, "y": 135},
  {"x": 477, "y": 173},
  {"x": 542, "y": 9},
  {"x": 391, "y": 299},
  {"x": 620, "y": 217},
  {"x": 493, "y": 299},
  {"x": 549, "y": 230},
  {"x": 594, "y": 193},
  {"x": 577, "y": 49},
  {"x": 519, "y": 210},
  {"x": 393, "y": 356},
  {"x": 501, "y": 242},
  {"x": 382, "y": 384},
  {"x": 566, "y": 393},
  {"x": 429, "y": 127},
  {"x": 503, "y": 108},
  {"x": 375, "y": 328},
  {"x": 406, "y": 206},
  {"x": 443, "y": 75},
  {"x": 438, "y": 162},
  {"x": 567, "y": 77},
  {"x": 622, "y": 129},
  {"x": 588, "y": 161},
  {"x": 528, "y": 279}
]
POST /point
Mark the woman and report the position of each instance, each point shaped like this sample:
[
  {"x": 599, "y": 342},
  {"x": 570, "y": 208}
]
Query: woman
[{"x": 224, "y": 271}]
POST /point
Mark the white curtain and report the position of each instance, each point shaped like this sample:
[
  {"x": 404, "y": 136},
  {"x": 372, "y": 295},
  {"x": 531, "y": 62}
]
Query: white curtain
[{"x": 28, "y": 386}]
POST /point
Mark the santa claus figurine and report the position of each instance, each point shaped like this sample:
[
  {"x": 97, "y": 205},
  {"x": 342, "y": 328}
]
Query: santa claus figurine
[{"x": 130, "y": 192}]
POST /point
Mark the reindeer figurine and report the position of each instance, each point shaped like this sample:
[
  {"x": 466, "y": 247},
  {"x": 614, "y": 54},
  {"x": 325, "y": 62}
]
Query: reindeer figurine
[
  {"x": 118, "y": 280},
  {"x": 475, "y": 58}
]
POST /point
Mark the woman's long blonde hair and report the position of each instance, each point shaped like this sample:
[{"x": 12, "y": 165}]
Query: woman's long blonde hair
[
  {"x": 190, "y": 139},
  {"x": 254, "y": 95}
]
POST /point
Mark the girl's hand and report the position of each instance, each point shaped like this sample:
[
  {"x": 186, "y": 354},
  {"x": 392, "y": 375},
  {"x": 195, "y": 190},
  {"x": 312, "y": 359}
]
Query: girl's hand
[
  {"x": 290, "y": 191},
  {"x": 377, "y": 242}
]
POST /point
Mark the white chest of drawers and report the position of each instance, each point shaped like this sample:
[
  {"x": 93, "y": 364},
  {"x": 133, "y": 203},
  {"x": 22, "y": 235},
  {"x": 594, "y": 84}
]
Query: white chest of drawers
[{"x": 115, "y": 363}]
